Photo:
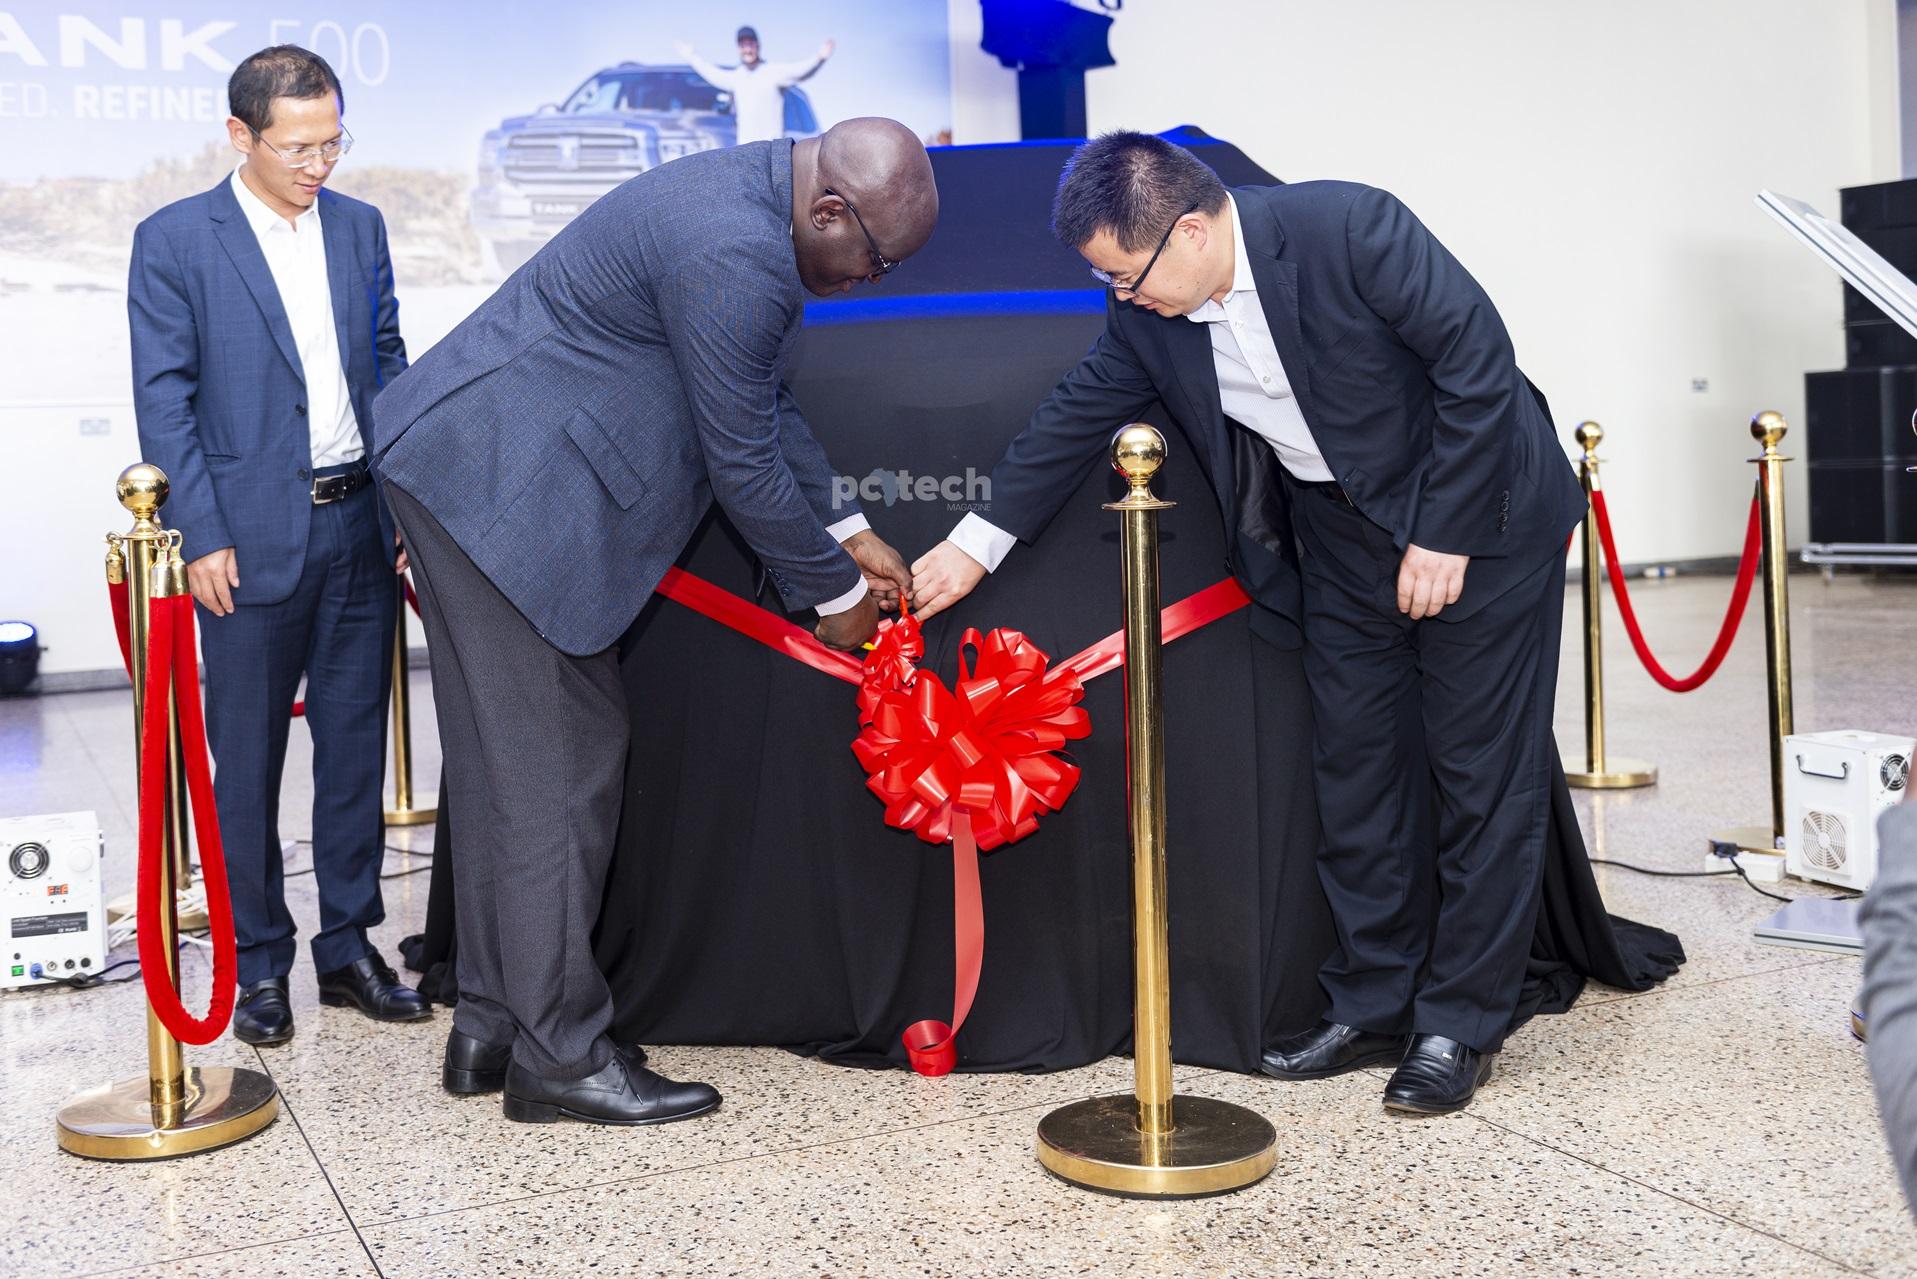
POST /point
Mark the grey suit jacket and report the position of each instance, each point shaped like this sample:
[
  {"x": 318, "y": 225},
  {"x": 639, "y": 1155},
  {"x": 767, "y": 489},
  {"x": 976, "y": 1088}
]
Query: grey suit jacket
[
  {"x": 1889, "y": 919},
  {"x": 574, "y": 429}
]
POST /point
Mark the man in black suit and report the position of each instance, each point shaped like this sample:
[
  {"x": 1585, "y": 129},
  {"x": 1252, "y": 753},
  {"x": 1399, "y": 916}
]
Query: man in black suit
[{"x": 1392, "y": 486}]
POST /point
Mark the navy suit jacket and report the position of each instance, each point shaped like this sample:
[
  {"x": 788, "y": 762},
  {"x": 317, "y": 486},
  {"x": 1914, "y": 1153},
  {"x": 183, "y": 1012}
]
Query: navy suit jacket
[
  {"x": 573, "y": 430},
  {"x": 217, "y": 386},
  {"x": 1404, "y": 373}
]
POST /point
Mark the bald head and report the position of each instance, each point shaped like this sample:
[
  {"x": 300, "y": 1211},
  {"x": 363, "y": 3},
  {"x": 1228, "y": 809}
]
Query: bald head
[{"x": 862, "y": 196}]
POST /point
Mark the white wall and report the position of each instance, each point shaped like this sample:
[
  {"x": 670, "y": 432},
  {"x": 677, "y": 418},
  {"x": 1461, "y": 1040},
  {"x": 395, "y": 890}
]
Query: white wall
[{"x": 1594, "y": 165}]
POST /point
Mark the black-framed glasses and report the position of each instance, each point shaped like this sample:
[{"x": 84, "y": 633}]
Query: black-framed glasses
[
  {"x": 885, "y": 265},
  {"x": 300, "y": 157},
  {"x": 1150, "y": 262}
]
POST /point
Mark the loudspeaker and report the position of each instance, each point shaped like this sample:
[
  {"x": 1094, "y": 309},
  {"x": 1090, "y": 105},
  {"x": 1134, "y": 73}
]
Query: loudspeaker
[
  {"x": 1861, "y": 415},
  {"x": 1862, "y": 502}
]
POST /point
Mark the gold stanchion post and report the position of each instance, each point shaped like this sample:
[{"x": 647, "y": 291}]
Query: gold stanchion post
[
  {"x": 402, "y": 813},
  {"x": 171, "y": 1110},
  {"x": 1600, "y": 772},
  {"x": 1151, "y": 1143},
  {"x": 1768, "y": 429}
]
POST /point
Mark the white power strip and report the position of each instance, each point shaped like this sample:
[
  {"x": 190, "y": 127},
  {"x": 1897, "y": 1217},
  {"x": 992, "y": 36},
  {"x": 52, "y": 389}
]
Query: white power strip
[{"x": 1764, "y": 868}]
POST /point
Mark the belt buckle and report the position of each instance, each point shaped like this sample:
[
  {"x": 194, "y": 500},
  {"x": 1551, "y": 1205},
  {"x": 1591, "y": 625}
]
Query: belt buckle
[{"x": 331, "y": 496}]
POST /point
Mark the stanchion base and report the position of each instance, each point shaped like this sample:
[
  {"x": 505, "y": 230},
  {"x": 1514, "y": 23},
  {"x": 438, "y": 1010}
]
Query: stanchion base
[
  {"x": 1749, "y": 839},
  {"x": 411, "y": 816},
  {"x": 224, "y": 1104},
  {"x": 1215, "y": 1147},
  {"x": 1620, "y": 773}
]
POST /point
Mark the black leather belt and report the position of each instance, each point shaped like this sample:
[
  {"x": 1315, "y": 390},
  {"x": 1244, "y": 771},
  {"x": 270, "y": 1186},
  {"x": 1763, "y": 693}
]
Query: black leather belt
[
  {"x": 1330, "y": 488},
  {"x": 341, "y": 483}
]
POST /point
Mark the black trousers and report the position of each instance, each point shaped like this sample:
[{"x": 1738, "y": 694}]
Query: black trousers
[
  {"x": 336, "y": 629},
  {"x": 533, "y": 746},
  {"x": 1433, "y": 755}
]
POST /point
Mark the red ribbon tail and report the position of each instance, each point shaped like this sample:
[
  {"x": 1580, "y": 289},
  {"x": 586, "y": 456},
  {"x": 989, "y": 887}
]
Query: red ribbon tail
[{"x": 931, "y": 1045}]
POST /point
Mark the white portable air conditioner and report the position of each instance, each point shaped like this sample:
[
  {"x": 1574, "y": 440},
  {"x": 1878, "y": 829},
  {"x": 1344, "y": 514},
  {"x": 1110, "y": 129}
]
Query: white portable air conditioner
[
  {"x": 1835, "y": 785},
  {"x": 52, "y": 916}
]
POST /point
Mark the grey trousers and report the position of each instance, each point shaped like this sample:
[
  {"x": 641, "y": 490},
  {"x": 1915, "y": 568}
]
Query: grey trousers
[{"x": 534, "y": 749}]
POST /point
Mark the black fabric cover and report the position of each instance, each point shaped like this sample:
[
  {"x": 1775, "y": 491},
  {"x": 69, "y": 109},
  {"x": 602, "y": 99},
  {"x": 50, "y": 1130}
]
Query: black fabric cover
[{"x": 758, "y": 898}]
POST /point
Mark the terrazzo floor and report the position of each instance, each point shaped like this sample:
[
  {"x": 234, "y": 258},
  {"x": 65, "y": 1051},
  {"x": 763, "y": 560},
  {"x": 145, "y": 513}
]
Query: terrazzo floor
[{"x": 1721, "y": 1125}]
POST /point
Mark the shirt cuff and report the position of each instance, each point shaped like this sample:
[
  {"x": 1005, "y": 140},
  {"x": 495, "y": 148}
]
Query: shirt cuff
[
  {"x": 840, "y": 603},
  {"x": 845, "y": 528},
  {"x": 983, "y": 540}
]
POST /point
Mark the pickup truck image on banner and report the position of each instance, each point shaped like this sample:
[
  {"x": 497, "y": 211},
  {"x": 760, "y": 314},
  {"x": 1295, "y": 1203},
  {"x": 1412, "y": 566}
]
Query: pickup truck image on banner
[{"x": 538, "y": 171}]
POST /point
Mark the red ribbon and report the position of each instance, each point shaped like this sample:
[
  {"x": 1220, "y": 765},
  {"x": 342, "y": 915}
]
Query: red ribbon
[
  {"x": 750, "y": 620},
  {"x": 931, "y": 1045},
  {"x": 173, "y": 666},
  {"x": 973, "y": 766}
]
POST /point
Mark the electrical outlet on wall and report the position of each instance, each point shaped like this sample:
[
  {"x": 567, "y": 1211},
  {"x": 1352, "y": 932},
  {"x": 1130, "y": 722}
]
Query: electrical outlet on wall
[{"x": 1700, "y": 384}]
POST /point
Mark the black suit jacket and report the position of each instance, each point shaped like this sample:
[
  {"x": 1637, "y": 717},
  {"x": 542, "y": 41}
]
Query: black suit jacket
[{"x": 1404, "y": 373}]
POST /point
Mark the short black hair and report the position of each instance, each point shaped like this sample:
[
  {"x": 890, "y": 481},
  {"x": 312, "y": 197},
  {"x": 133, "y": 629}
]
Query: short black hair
[
  {"x": 1133, "y": 185},
  {"x": 283, "y": 71}
]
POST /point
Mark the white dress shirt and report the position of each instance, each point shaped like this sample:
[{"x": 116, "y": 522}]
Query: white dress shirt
[
  {"x": 758, "y": 92},
  {"x": 296, "y": 255},
  {"x": 839, "y": 532},
  {"x": 1252, "y": 389}
]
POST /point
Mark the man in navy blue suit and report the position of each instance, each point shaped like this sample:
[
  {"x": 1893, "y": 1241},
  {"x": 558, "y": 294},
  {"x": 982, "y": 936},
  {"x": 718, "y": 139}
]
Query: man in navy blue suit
[
  {"x": 263, "y": 323},
  {"x": 1392, "y": 488},
  {"x": 547, "y": 462}
]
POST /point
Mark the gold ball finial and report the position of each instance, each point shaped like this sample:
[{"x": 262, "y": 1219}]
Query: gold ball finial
[
  {"x": 1768, "y": 427},
  {"x": 142, "y": 489},
  {"x": 1137, "y": 452},
  {"x": 1589, "y": 435}
]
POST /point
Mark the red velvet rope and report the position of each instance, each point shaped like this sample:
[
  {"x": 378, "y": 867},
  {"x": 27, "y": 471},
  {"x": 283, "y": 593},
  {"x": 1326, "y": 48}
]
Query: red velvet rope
[
  {"x": 122, "y": 623},
  {"x": 1740, "y": 594},
  {"x": 172, "y": 665},
  {"x": 122, "y": 626}
]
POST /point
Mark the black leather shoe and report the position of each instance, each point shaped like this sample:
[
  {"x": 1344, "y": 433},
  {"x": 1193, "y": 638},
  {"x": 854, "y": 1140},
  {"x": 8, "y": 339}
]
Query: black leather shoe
[
  {"x": 263, "y": 1014},
  {"x": 478, "y": 1067},
  {"x": 1437, "y": 1076},
  {"x": 474, "y": 1066},
  {"x": 620, "y": 1093},
  {"x": 375, "y": 989},
  {"x": 1329, "y": 1049}
]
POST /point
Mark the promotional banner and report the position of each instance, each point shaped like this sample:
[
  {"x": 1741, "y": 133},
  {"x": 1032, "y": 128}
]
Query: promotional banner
[{"x": 479, "y": 130}]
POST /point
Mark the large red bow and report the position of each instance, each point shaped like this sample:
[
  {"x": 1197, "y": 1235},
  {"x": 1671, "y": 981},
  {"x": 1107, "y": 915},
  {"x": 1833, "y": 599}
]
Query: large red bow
[{"x": 984, "y": 748}]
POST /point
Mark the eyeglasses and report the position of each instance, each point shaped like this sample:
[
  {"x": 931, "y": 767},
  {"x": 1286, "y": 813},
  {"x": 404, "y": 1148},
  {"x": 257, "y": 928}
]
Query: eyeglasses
[
  {"x": 885, "y": 265},
  {"x": 1104, "y": 278},
  {"x": 300, "y": 157}
]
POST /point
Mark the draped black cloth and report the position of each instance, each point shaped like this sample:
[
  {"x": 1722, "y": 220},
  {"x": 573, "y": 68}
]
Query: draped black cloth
[{"x": 757, "y": 897}]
